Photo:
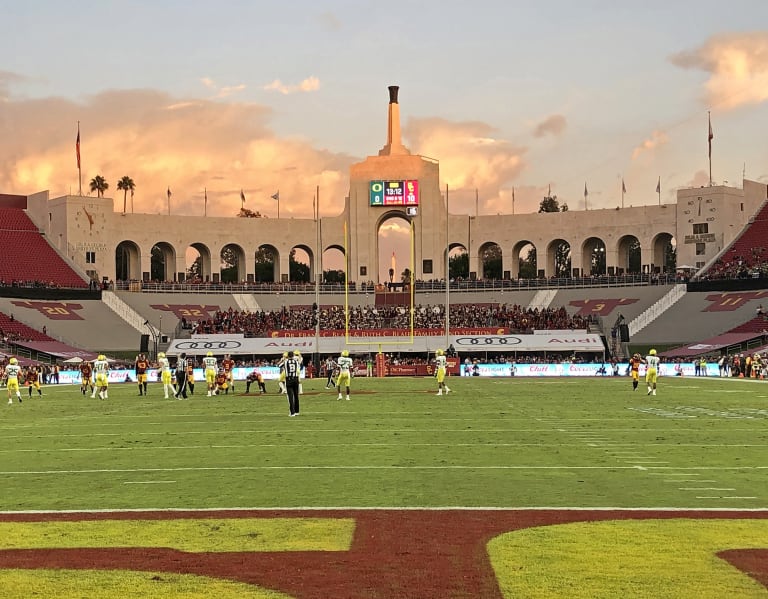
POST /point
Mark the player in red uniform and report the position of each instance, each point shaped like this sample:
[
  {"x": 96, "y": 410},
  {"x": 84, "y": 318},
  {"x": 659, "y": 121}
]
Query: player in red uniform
[
  {"x": 32, "y": 380},
  {"x": 141, "y": 373},
  {"x": 228, "y": 364},
  {"x": 86, "y": 371},
  {"x": 634, "y": 369}
]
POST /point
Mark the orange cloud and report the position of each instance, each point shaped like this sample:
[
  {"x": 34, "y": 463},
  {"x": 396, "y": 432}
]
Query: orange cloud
[
  {"x": 162, "y": 141},
  {"x": 699, "y": 179},
  {"x": 657, "y": 138},
  {"x": 552, "y": 125},
  {"x": 221, "y": 91},
  {"x": 737, "y": 65},
  {"x": 309, "y": 84}
]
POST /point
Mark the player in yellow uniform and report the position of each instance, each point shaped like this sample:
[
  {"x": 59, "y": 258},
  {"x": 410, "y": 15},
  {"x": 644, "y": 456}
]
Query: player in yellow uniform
[
  {"x": 12, "y": 372},
  {"x": 345, "y": 373},
  {"x": 209, "y": 363},
  {"x": 441, "y": 366},
  {"x": 651, "y": 372},
  {"x": 101, "y": 368},
  {"x": 166, "y": 377}
]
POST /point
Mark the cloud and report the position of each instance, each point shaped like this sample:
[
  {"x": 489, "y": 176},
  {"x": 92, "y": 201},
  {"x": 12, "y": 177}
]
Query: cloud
[
  {"x": 737, "y": 65},
  {"x": 160, "y": 140},
  {"x": 657, "y": 138},
  {"x": 7, "y": 79},
  {"x": 552, "y": 125},
  {"x": 330, "y": 21},
  {"x": 221, "y": 91},
  {"x": 700, "y": 179},
  {"x": 309, "y": 84}
]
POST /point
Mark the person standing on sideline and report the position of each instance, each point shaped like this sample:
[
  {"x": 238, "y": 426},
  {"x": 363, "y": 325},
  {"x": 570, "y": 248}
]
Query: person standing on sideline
[
  {"x": 292, "y": 367},
  {"x": 101, "y": 368},
  {"x": 369, "y": 367},
  {"x": 209, "y": 363},
  {"x": 330, "y": 366},
  {"x": 441, "y": 364},
  {"x": 181, "y": 377},
  {"x": 12, "y": 379},
  {"x": 165, "y": 374},
  {"x": 651, "y": 372},
  {"x": 345, "y": 373}
]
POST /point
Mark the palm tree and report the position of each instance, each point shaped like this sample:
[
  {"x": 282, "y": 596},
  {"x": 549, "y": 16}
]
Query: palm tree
[
  {"x": 99, "y": 185},
  {"x": 126, "y": 184}
]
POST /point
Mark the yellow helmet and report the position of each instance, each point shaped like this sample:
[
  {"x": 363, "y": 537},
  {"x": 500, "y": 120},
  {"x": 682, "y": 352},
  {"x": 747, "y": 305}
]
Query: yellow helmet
[
  {"x": 652, "y": 352},
  {"x": 285, "y": 354},
  {"x": 161, "y": 354},
  {"x": 210, "y": 353},
  {"x": 439, "y": 352},
  {"x": 101, "y": 357},
  {"x": 13, "y": 361},
  {"x": 296, "y": 352},
  {"x": 345, "y": 353}
]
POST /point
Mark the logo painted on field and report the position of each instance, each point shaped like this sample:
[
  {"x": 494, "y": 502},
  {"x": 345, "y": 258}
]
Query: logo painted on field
[
  {"x": 601, "y": 307},
  {"x": 53, "y": 310},
  {"x": 727, "y": 302},
  {"x": 371, "y": 553},
  {"x": 188, "y": 311}
]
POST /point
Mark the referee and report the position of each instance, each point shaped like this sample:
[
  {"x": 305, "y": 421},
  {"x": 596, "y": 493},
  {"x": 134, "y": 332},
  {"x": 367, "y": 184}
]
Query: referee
[
  {"x": 292, "y": 367},
  {"x": 181, "y": 377}
]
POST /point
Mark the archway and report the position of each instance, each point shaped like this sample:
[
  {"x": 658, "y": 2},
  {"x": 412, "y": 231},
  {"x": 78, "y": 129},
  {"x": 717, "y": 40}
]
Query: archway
[
  {"x": 300, "y": 264},
  {"x": 458, "y": 262},
  {"x": 664, "y": 256},
  {"x": 629, "y": 255},
  {"x": 127, "y": 261},
  {"x": 524, "y": 260},
  {"x": 393, "y": 236},
  {"x": 333, "y": 265},
  {"x": 232, "y": 264},
  {"x": 490, "y": 261},
  {"x": 559, "y": 258},
  {"x": 593, "y": 260},
  {"x": 267, "y": 264},
  {"x": 162, "y": 262},
  {"x": 197, "y": 259}
]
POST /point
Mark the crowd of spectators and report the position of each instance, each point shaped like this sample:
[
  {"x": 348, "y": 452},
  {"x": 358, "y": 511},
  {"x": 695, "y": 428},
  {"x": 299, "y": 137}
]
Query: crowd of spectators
[
  {"x": 36, "y": 284},
  {"x": 743, "y": 266},
  {"x": 302, "y": 318}
]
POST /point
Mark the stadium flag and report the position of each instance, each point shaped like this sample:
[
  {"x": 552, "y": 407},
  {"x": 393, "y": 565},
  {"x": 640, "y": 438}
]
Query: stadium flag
[
  {"x": 623, "y": 187},
  {"x": 586, "y": 193},
  {"x": 711, "y": 135},
  {"x": 276, "y": 195},
  {"x": 205, "y": 202},
  {"x": 658, "y": 185},
  {"x": 167, "y": 192},
  {"x": 242, "y": 196},
  {"x": 77, "y": 145}
]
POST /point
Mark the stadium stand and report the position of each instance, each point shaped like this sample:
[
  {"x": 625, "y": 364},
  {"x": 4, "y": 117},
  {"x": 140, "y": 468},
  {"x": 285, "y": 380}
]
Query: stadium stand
[
  {"x": 747, "y": 256},
  {"x": 28, "y": 259},
  {"x": 13, "y": 330}
]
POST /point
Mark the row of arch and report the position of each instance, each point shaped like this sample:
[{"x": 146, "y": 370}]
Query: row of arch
[{"x": 524, "y": 259}]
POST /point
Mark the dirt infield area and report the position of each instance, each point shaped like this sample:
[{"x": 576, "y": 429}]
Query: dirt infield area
[{"x": 393, "y": 553}]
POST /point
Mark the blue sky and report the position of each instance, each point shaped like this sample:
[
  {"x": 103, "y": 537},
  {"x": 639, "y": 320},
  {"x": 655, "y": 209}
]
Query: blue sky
[{"x": 285, "y": 95}]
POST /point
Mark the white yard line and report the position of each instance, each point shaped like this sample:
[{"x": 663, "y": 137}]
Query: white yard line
[{"x": 149, "y": 482}]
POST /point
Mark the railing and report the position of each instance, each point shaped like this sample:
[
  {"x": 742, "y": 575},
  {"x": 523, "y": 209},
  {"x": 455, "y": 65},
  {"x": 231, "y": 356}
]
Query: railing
[
  {"x": 124, "y": 311},
  {"x": 421, "y": 286},
  {"x": 653, "y": 312}
]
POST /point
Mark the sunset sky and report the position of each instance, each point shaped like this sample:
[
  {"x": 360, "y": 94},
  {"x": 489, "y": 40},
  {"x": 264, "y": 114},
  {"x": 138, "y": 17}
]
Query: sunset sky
[{"x": 286, "y": 95}]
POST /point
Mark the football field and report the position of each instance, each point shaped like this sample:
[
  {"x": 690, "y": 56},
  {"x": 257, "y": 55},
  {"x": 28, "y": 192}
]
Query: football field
[
  {"x": 504, "y": 488},
  {"x": 490, "y": 443}
]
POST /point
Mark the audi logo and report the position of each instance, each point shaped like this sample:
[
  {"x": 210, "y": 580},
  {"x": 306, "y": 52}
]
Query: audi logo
[
  {"x": 488, "y": 341},
  {"x": 231, "y": 344}
]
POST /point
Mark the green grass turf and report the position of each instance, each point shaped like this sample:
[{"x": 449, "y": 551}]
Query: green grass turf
[{"x": 490, "y": 443}]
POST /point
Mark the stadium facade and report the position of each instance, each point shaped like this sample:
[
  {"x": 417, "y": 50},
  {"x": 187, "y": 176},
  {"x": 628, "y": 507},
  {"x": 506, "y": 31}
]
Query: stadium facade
[{"x": 105, "y": 243}]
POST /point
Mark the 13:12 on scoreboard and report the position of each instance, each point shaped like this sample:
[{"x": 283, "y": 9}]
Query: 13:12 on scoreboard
[{"x": 394, "y": 193}]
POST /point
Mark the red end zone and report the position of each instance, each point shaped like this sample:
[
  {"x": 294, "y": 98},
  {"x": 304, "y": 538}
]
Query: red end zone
[{"x": 394, "y": 553}]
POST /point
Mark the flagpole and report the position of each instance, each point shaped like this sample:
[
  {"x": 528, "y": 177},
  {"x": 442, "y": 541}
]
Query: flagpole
[
  {"x": 477, "y": 203},
  {"x": 585, "y": 195},
  {"x": 513, "y": 201},
  {"x": 205, "y": 203},
  {"x": 658, "y": 189},
  {"x": 709, "y": 142},
  {"x": 623, "y": 191},
  {"x": 447, "y": 274},
  {"x": 79, "y": 170}
]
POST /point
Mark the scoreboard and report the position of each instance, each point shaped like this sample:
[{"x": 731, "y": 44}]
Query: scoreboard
[{"x": 394, "y": 193}]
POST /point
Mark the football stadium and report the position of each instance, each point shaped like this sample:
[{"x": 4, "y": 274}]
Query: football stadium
[{"x": 559, "y": 404}]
